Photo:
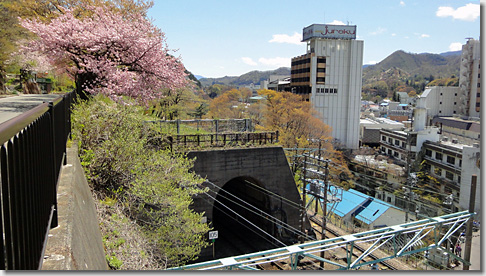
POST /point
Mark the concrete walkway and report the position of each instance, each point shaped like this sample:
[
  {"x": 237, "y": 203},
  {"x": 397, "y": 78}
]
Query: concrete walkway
[
  {"x": 475, "y": 252},
  {"x": 11, "y": 107}
]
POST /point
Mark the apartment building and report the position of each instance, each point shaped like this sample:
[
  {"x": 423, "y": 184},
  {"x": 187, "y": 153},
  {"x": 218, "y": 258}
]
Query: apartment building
[{"x": 453, "y": 164}]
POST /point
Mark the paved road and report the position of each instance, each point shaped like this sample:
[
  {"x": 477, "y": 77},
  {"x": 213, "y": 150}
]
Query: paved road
[
  {"x": 475, "y": 252},
  {"x": 11, "y": 107}
]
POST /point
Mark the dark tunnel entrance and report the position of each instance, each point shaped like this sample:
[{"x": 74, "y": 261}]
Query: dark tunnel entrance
[{"x": 249, "y": 231}]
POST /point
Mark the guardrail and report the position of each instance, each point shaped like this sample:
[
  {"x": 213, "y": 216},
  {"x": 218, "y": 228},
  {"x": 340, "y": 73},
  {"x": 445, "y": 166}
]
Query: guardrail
[{"x": 33, "y": 148}]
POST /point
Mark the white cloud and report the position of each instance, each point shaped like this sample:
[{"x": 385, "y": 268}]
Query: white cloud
[
  {"x": 380, "y": 30},
  {"x": 275, "y": 62},
  {"x": 402, "y": 3},
  {"x": 336, "y": 22},
  {"x": 248, "y": 61},
  {"x": 393, "y": 34},
  {"x": 469, "y": 12},
  {"x": 372, "y": 62},
  {"x": 424, "y": 35},
  {"x": 455, "y": 46},
  {"x": 296, "y": 38}
]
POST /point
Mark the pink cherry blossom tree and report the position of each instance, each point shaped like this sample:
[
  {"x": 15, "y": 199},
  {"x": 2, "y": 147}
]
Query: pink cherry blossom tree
[{"x": 110, "y": 54}]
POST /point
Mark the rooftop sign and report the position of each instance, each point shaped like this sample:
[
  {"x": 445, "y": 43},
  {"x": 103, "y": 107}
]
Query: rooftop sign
[{"x": 329, "y": 31}]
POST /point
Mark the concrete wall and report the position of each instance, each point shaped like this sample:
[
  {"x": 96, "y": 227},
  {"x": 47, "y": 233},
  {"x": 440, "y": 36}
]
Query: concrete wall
[
  {"x": 266, "y": 166},
  {"x": 75, "y": 244}
]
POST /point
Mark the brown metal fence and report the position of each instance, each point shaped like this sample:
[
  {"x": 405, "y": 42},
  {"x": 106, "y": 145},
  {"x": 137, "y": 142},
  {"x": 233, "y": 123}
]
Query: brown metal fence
[
  {"x": 33, "y": 148},
  {"x": 223, "y": 139}
]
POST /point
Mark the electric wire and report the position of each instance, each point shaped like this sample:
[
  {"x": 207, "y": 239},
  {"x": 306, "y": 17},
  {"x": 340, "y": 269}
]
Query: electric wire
[
  {"x": 239, "y": 221},
  {"x": 249, "y": 222},
  {"x": 291, "y": 228},
  {"x": 287, "y": 201},
  {"x": 269, "y": 217}
]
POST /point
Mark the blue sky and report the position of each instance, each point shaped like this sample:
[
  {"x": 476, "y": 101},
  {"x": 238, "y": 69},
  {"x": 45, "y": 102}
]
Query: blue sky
[{"x": 230, "y": 38}]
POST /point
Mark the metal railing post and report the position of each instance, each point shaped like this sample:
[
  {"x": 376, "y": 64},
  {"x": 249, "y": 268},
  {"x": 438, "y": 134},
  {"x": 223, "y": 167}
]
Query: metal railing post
[{"x": 54, "y": 221}]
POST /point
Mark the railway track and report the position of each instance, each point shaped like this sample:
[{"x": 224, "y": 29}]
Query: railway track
[{"x": 382, "y": 265}]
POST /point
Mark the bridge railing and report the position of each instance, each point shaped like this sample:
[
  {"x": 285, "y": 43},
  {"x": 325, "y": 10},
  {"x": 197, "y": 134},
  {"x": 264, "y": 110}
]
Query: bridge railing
[
  {"x": 33, "y": 147},
  {"x": 224, "y": 139}
]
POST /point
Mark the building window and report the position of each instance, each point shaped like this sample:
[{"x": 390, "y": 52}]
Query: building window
[
  {"x": 396, "y": 154},
  {"x": 321, "y": 79},
  {"x": 389, "y": 152},
  {"x": 440, "y": 102},
  {"x": 455, "y": 94},
  {"x": 383, "y": 138},
  {"x": 321, "y": 70},
  {"x": 390, "y": 140},
  {"x": 455, "y": 103},
  {"x": 428, "y": 153},
  {"x": 460, "y": 162},
  {"x": 438, "y": 156},
  {"x": 449, "y": 175},
  {"x": 388, "y": 199},
  {"x": 321, "y": 60},
  {"x": 459, "y": 179},
  {"x": 397, "y": 143},
  {"x": 451, "y": 160},
  {"x": 403, "y": 145},
  {"x": 438, "y": 172}
]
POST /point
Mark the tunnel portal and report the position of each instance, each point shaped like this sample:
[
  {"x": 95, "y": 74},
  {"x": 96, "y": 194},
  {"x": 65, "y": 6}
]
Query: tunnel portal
[
  {"x": 257, "y": 184},
  {"x": 240, "y": 214}
]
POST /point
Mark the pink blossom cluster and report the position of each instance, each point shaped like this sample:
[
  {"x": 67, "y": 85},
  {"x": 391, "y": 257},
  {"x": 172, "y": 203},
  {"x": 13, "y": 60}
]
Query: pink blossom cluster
[{"x": 123, "y": 56}]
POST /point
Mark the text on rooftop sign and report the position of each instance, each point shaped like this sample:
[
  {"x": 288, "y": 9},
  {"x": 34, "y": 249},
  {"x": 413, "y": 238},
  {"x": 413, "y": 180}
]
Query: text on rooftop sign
[{"x": 329, "y": 31}]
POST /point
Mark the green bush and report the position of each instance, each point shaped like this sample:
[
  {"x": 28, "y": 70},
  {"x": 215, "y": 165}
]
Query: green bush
[{"x": 154, "y": 186}]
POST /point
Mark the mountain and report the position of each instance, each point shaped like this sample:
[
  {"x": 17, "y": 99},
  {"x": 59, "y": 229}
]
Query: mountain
[
  {"x": 198, "y": 77},
  {"x": 410, "y": 65},
  {"x": 453, "y": 53},
  {"x": 254, "y": 77},
  {"x": 395, "y": 70}
]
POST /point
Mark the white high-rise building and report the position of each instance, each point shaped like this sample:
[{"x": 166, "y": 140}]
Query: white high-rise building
[
  {"x": 329, "y": 75},
  {"x": 470, "y": 80}
]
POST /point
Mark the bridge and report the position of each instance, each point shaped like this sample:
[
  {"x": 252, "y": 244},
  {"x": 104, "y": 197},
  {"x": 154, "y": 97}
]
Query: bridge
[{"x": 371, "y": 240}]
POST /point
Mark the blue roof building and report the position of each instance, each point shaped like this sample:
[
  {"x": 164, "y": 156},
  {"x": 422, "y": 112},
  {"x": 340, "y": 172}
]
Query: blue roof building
[{"x": 369, "y": 211}]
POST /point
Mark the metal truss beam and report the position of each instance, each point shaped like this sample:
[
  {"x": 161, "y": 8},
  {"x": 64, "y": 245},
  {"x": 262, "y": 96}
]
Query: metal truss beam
[{"x": 410, "y": 235}]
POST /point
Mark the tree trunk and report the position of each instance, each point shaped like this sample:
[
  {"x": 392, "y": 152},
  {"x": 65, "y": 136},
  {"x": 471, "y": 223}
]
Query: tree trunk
[
  {"x": 2, "y": 81},
  {"x": 82, "y": 81}
]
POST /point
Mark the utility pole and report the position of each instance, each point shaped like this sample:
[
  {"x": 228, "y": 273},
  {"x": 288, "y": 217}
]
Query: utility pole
[
  {"x": 324, "y": 207},
  {"x": 304, "y": 210},
  {"x": 409, "y": 189},
  {"x": 469, "y": 224},
  {"x": 318, "y": 168}
]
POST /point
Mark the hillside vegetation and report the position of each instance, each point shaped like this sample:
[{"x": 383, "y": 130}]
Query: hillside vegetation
[
  {"x": 407, "y": 72},
  {"x": 143, "y": 192}
]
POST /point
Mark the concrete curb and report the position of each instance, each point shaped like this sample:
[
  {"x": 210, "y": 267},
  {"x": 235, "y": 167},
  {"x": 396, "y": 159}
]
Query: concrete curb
[{"x": 75, "y": 244}]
